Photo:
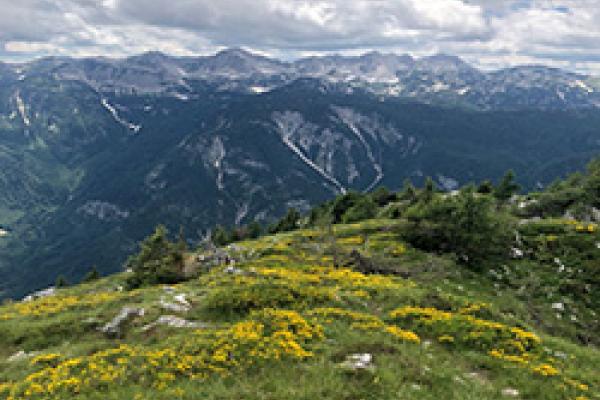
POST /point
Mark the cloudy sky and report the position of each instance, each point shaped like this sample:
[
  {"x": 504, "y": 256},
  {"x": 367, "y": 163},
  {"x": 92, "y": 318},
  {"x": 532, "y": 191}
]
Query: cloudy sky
[{"x": 487, "y": 33}]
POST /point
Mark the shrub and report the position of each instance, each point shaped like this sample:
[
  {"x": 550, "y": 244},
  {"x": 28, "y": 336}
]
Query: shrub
[
  {"x": 159, "y": 261},
  {"x": 467, "y": 225},
  {"x": 259, "y": 295},
  {"x": 507, "y": 187},
  {"x": 288, "y": 223},
  {"x": 220, "y": 236},
  {"x": 382, "y": 196},
  {"x": 365, "y": 208},
  {"x": 92, "y": 275}
]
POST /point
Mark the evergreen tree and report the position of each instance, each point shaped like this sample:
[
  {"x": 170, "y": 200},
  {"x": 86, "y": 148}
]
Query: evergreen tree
[
  {"x": 289, "y": 222},
  {"x": 342, "y": 204},
  {"x": 159, "y": 261},
  {"x": 92, "y": 275},
  {"x": 428, "y": 191},
  {"x": 220, "y": 236},
  {"x": 592, "y": 184},
  {"x": 382, "y": 196},
  {"x": 485, "y": 187},
  {"x": 466, "y": 225},
  {"x": 507, "y": 187},
  {"x": 182, "y": 245},
  {"x": 61, "y": 282},
  {"x": 254, "y": 230},
  {"x": 408, "y": 192},
  {"x": 365, "y": 208}
]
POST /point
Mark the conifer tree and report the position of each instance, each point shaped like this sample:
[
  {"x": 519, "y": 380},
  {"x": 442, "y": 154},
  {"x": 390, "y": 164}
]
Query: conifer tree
[
  {"x": 507, "y": 187},
  {"x": 159, "y": 261},
  {"x": 92, "y": 275}
]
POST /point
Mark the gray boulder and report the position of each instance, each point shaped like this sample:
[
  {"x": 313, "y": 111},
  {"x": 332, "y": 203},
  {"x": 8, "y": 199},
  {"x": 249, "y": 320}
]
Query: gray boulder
[{"x": 114, "y": 327}]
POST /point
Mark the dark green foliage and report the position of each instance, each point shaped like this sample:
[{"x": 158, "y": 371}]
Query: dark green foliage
[
  {"x": 363, "y": 208},
  {"x": 159, "y": 261},
  {"x": 428, "y": 191},
  {"x": 507, "y": 187},
  {"x": 92, "y": 275},
  {"x": 288, "y": 223},
  {"x": 61, "y": 282},
  {"x": 466, "y": 224},
  {"x": 254, "y": 230},
  {"x": 342, "y": 204},
  {"x": 382, "y": 196},
  {"x": 408, "y": 193},
  {"x": 485, "y": 187},
  {"x": 221, "y": 236},
  {"x": 576, "y": 195},
  {"x": 592, "y": 184}
]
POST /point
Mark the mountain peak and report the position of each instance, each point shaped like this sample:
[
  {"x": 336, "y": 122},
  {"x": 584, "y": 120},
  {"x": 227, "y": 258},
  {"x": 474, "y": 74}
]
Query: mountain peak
[
  {"x": 237, "y": 52},
  {"x": 444, "y": 61}
]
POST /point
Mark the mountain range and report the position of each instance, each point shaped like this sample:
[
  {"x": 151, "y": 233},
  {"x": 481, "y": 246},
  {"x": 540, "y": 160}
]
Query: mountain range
[{"x": 95, "y": 152}]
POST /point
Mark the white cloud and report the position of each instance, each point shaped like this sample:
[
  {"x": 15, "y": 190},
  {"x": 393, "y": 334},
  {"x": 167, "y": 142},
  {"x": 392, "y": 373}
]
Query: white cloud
[{"x": 489, "y": 33}]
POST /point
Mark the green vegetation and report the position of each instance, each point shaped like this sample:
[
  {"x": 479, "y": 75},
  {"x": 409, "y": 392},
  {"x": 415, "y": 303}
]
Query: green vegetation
[
  {"x": 159, "y": 261},
  {"x": 454, "y": 296},
  {"x": 467, "y": 225}
]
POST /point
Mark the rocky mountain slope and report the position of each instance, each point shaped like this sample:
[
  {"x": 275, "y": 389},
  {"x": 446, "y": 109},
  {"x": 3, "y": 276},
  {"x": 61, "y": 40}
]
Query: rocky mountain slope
[{"x": 95, "y": 152}]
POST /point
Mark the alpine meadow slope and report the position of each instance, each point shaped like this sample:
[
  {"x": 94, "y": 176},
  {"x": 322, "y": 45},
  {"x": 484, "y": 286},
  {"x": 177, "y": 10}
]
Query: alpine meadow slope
[{"x": 416, "y": 294}]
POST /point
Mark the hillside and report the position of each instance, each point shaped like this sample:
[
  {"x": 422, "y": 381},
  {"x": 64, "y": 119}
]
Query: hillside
[{"x": 344, "y": 311}]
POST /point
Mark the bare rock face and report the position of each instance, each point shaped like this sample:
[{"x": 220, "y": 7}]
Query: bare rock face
[{"x": 114, "y": 327}]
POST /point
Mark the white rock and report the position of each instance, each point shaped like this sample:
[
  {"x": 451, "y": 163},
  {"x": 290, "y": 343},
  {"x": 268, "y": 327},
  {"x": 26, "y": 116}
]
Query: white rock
[
  {"x": 51, "y": 291},
  {"x": 233, "y": 270},
  {"x": 175, "y": 322},
  {"x": 20, "y": 356},
  {"x": 178, "y": 308},
  {"x": 113, "y": 328},
  {"x": 510, "y": 392},
  {"x": 516, "y": 253},
  {"x": 358, "y": 361},
  {"x": 181, "y": 299}
]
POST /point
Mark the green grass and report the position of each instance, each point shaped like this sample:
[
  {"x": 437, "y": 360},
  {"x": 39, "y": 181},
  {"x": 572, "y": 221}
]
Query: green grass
[{"x": 402, "y": 369}]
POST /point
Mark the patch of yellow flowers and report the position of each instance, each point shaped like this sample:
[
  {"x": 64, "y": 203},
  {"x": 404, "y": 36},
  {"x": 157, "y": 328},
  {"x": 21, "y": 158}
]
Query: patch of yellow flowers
[
  {"x": 267, "y": 335},
  {"x": 363, "y": 321},
  {"x": 56, "y": 304}
]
